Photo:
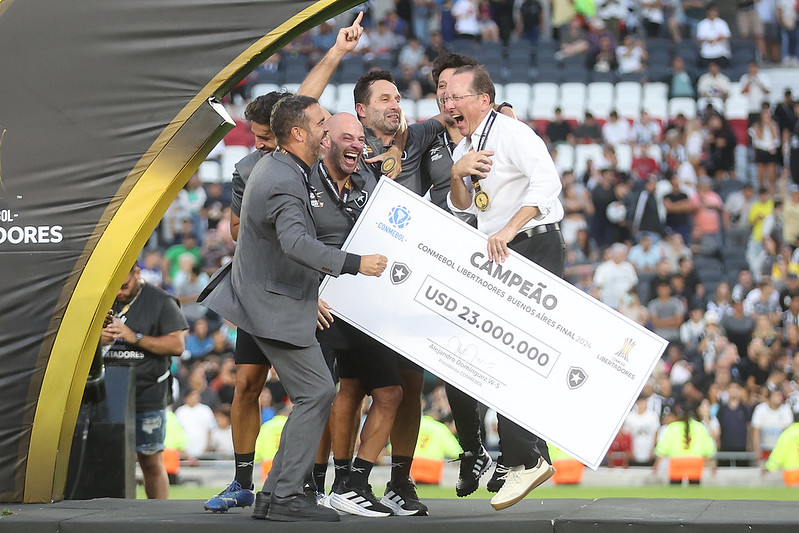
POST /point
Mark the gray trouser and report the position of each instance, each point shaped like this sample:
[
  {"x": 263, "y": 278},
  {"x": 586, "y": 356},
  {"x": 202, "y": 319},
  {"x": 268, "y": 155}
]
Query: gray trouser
[{"x": 307, "y": 381}]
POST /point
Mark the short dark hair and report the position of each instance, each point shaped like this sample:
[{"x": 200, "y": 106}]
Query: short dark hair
[
  {"x": 481, "y": 82},
  {"x": 363, "y": 87},
  {"x": 449, "y": 60},
  {"x": 289, "y": 112},
  {"x": 260, "y": 109}
]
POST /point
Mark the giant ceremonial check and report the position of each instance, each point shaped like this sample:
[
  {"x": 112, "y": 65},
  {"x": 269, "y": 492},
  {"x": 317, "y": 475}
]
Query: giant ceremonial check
[{"x": 512, "y": 335}]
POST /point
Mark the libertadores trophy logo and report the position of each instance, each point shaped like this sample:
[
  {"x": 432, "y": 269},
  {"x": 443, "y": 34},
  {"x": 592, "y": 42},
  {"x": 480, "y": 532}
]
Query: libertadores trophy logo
[{"x": 624, "y": 352}]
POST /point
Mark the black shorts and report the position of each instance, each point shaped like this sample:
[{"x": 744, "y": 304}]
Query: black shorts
[
  {"x": 764, "y": 157},
  {"x": 359, "y": 356},
  {"x": 247, "y": 351}
]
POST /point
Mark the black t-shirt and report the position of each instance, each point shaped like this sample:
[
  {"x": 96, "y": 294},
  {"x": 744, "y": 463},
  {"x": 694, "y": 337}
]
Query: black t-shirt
[
  {"x": 333, "y": 218},
  {"x": 558, "y": 131},
  {"x": 153, "y": 313},
  {"x": 421, "y": 136},
  {"x": 677, "y": 219},
  {"x": 733, "y": 424},
  {"x": 436, "y": 167}
]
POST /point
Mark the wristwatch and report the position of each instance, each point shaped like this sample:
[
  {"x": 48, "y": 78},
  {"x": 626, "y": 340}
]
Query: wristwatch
[{"x": 139, "y": 337}]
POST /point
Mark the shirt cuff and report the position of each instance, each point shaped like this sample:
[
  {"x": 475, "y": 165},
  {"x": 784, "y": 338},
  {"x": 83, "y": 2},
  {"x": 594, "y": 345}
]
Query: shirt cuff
[{"x": 352, "y": 264}]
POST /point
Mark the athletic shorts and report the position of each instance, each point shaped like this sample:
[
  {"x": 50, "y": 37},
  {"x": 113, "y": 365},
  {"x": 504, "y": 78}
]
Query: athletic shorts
[
  {"x": 150, "y": 432},
  {"x": 359, "y": 356},
  {"x": 247, "y": 351}
]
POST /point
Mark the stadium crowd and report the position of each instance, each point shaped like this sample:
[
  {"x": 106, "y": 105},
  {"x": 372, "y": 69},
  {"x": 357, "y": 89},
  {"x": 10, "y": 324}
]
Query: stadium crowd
[{"x": 661, "y": 224}]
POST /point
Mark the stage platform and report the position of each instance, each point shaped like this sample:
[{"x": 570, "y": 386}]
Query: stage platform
[{"x": 459, "y": 516}]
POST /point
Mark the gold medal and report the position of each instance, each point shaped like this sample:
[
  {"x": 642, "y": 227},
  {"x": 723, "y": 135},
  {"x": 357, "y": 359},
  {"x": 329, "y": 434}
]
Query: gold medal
[
  {"x": 388, "y": 165},
  {"x": 481, "y": 200}
]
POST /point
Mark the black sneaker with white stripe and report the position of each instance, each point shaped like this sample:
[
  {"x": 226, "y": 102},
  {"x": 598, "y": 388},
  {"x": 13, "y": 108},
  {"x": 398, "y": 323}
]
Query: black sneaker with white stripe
[
  {"x": 498, "y": 478},
  {"x": 402, "y": 499},
  {"x": 473, "y": 465},
  {"x": 359, "y": 501}
]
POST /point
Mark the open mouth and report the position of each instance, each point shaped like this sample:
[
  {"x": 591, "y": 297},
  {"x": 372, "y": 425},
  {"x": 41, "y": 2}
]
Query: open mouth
[
  {"x": 393, "y": 117},
  {"x": 457, "y": 118},
  {"x": 350, "y": 157}
]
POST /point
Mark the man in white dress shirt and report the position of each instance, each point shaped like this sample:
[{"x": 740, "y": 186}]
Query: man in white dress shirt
[
  {"x": 713, "y": 35},
  {"x": 504, "y": 176}
]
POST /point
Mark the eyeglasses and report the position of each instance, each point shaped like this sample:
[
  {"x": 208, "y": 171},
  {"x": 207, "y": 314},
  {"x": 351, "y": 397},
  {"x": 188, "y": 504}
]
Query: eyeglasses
[{"x": 456, "y": 97}]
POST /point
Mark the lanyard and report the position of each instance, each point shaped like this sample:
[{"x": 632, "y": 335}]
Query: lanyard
[
  {"x": 127, "y": 306},
  {"x": 332, "y": 189},
  {"x": 481, "y": 143},
  {"x": 481, "y": 198},
  {"x": 304, "y": 170}
]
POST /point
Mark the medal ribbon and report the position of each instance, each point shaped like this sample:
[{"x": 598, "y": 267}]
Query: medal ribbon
[{"x": 478, "y": 190}]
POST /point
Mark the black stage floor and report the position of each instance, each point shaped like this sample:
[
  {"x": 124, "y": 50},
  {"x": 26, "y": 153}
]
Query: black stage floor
[{"x": 460, "y": 516}]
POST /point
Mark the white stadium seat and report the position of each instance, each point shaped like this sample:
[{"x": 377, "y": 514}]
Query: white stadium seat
[
  {"x": 684, "y": 105},
  {"x": 518, "y": 95},
  {"x": 584, "y": 152},
  {"x": 262, "y": 89}
]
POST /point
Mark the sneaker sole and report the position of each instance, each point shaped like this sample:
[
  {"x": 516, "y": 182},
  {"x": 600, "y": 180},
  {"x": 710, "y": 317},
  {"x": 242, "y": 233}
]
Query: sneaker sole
[
  {"x": 280, "y": 517},
  {"x": 326, "y": 503},
  {"x": 397, "y": 508},
  {"x": 480, "y": 474},
  {"x": 217, "y": 510},
  {"x": 342, "y": 504},
  {"x": 504, "y": 505}
]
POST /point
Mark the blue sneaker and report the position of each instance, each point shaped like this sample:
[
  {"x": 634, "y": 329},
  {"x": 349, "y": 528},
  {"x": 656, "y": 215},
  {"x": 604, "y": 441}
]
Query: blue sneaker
[{"x": 233, "y": 496}]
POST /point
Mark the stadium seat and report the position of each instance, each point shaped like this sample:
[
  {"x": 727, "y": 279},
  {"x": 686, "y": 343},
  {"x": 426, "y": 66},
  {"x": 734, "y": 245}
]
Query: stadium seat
[
  {"x": 291, "y": 87},
  {"x": 499, "y": 92},
  {"x": 658, "y": 109},
  {"x": 426, "y": 108},
  {"x": 655, "y": 153},
  {"x": 600, "y": 99},
  {"x": 410, "y": 108},
  {"x": 351, "y": 68},
  {"x": 628, "y": 99},
  {"x": 686, "y": 106},
  {"x": 544, "y": 101},
  {"x": 231, "y": 156},
  {"x": 329, "y": 98},
  {"x": 652, "y": 92},
  {"x": 518, "y": 95},
  {"x": 572, "y": 100},
  {"x": 210, "y": 171},
  {"x": 345, "y": 99},
  {"x": 565, "y": 156},
  {"x": 262, "y": 89},
  {"x": 624, "y": 157},
  {"x": 584, "y": 152}
]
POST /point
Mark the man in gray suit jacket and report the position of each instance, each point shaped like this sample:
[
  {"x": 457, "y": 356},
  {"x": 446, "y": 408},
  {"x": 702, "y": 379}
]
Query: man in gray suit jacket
[{"x": 271, "y": 291}]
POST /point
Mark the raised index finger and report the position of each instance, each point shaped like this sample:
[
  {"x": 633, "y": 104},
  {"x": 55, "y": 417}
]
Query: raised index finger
[{"x": 358, "y": 19}]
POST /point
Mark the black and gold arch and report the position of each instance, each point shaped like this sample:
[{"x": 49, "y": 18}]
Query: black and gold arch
[{"x": 106, "y": 109}]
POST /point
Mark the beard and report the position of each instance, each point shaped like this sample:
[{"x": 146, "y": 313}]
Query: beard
[{"x": 382, "y": 124}]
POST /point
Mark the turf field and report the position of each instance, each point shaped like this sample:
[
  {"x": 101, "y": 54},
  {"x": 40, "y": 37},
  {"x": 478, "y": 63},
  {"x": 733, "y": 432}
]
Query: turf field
[{"x": 193, "y": 492}]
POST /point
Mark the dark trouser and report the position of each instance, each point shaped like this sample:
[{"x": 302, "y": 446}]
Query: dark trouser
[
  {"x": 466, "y": 415},
  {"x": 307, "y": 380},
  {"x": 520, "y": 446}
]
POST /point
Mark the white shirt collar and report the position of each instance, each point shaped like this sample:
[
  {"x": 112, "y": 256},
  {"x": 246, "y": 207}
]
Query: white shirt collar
[{"x": 474, "y": 138}]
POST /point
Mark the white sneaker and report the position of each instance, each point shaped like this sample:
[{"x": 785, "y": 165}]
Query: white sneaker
[
  {"x": 520, "y": 482},
  {"x": 326, "y": 503}
]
